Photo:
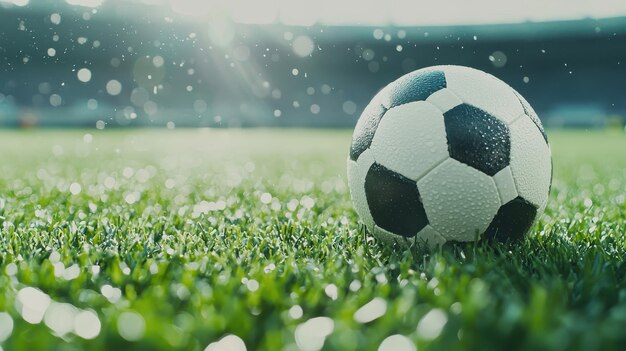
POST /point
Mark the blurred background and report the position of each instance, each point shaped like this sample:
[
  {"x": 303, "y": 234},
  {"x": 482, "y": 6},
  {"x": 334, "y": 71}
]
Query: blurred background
[{"x": 194, "y": 63}]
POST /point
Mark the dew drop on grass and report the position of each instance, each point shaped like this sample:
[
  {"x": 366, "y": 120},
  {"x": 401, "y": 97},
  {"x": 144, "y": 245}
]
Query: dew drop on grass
[
  {"x": 110, "y": 293},
  {"x": 331, "y": 291},
  {"x": 131, "y": 326},
  {"x": 32, "y": 304},
  {"x": 355, "y": 285},
  {"x": 269, "y": 268},
  {"x": 6, "y": 326},
  {"x": 54, "y": 257},
  {"x": 311, "y": 335},
  {"x": 59, "y": 269},
  {"x": 295, "y": 312},
  {"x": 431, "y": 325},
  {"x": 266, "y": 198},
  {"x": 397, "y": 342},
  {"x": 10, "y": 270},
  {"x": 307, "y": 202},
  {"x": 59, "y": 317},
  {"x": 292, "y": 204},
  {"x": 252, "y": 285},
  {"x": 372, "y": 310},
  {"x": 87, "y": 325},
  {"x": 72, "y": 272},
  {"x": 75, "y": 188},
  {"x": 228, "y": 343}
]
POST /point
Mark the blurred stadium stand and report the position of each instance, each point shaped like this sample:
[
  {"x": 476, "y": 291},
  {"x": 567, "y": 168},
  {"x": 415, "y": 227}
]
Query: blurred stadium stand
[{"x": 191, "y": 74}]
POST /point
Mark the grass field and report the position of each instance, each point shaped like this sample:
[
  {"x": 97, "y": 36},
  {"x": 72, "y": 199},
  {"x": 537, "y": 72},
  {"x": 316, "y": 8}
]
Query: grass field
[{"x": 157, "y": 240}]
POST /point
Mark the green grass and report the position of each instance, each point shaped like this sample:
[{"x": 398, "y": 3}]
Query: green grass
[{"x": 175, "y": 239}]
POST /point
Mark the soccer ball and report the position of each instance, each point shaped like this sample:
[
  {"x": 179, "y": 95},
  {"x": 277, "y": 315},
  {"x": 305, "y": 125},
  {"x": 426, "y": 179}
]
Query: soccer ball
[{"x": 449, "y": 153}]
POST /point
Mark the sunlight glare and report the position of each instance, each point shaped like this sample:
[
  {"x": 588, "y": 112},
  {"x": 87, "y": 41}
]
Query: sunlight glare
[
  {"x": 221, "y": 32},
  {"x": 16, "y": 2},
  {"x": 194, "y": 8},
  {"x": 255, "y": 12},
  {"x": 299, "y": 12},
  {"x": 396, "y": 12},
  {"x": 85, "y": 3}
]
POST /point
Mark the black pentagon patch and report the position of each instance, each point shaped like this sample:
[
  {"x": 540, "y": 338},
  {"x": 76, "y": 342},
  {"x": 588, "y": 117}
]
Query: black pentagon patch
[
  {"x": 528, "y": 111},
  {"x": 394, "y": 201},
  {"x": 414, "y": 86},
  {"x": 512, "y": 221},
  {"x": 477, "y": 138},
  {"x": 365, "y": 129}
]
